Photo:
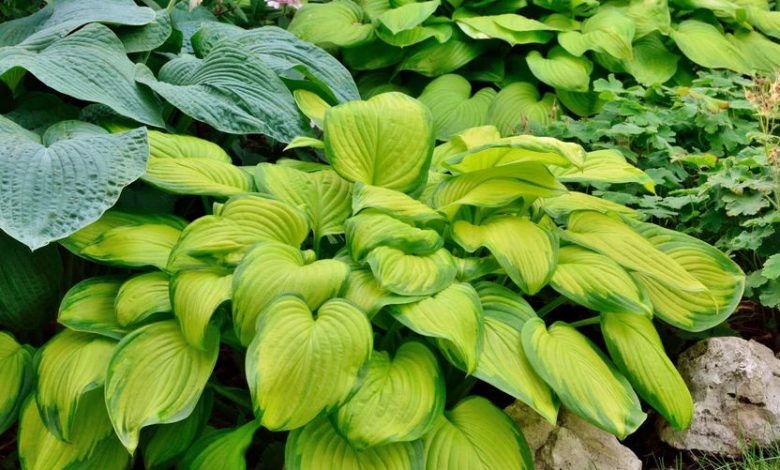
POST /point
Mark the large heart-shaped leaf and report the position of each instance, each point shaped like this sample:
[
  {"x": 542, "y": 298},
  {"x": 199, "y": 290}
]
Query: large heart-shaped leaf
[
  {"x": 89, "y": 306},
  {"x": 280, "y": 269},
  {"x": 70, "y": 365},
  {"x": 395, "y": 203},
  {"x": 431, "y": 58},
  {"x": 518, "y": 105},
  {"x": 385, "y": 141},
  {"x": 369, "y": 230},
  {"x": 142, "y": 297},
  {"x": 90, "y": 65},
  {"x": 608, "y": 31},
  {"x": 637, "y": 350},
  {"x": 287, "y": 391},
  {"x": 704, "y": 45},
  {"x": 156, "y": 377},
  {"x": 476, "y": 434},
  {"x": 64, "y": 180},
  {"x": 560, "y": 69},
  {"x": 231, "y": 89},
  {"x": 581, "y": 376},
  {"x": 338, "y": 23},
  {"x": 404, "y": 392},
  {"x": 412, "y": 275},
  {"x": 363, "y": 290},
  {"x": 16, "y": 378},
  {"x": 452, "y": 105}
]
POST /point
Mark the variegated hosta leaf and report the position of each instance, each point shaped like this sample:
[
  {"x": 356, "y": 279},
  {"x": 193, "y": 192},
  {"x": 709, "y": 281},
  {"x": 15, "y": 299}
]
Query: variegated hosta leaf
[
  {"x": 563, "y": 205},
  {"x": 323, "y": 195},
  {"x": 385, "y": 141},
  {"x": 608, "y": 31},
  {"x": 689, "y": 310},
  {"x": 134, "y": 246},
  {"x": 156, "y": 377},
  {"x": 412, "y": 275},
  {"x": 224, "y": 238},
  {"x": 338, "y": 23},
  {"x": 299, "y": 365},
  {"x": 94, "y": 444},
  {"x": 142, "y": 297},
  {"x": 370, "y": 229},
  {"x": 195, "y": 296},
  {"x": 395, "y": 203},
  {"x": 560, "y": 69},
  {"x": 198, "y": 176},
  {"x": 89, "y": 306},
  {"x": 453, "y": 317},
  {"x": 162, "y": 145},
  {"x": 476, "y": 267},
  {"x": 496, "y": 187},
  {"x": 598, "y": 283},
  {"x": 528, "y": 253},
  {"x": 518, "y": 149},
  {"x": 512, "y": 28},
  {"x": 405, "y": 393},
  {"x": 70, "y": 365},
  {"x": 167, "y": 442},
  {"x": 364, "y": 291},
  {"x": 582, "y": 377},
  {"x": 273, "y": 268},
  {"x": 616, "y": 240},
  {"x": 476, "y": 434},
  {"x": 517, "y": 105},
  {"x": 705, "y": 45},
  {"x": 502, "y": 362},
  {"x": 637, "y": 350},
  {"x": 605, "y": 166},
  {"x": 319, "y": 446},
  {"x": 16, "y": 378},
  {"x": 225, "y": 448},
  {"x": 453, "y": 108},
  {"x": 311, "y": 105}
]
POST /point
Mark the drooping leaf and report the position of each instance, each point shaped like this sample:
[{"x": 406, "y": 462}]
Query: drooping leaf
[
  {"x": 608, "y": 31},
  {"x": 407, "y": 16},
  {"x": 704, "y": 45},
  {"x": 517, "y": 105},
  {"x": 64, "y": 180},
  {"x": 287, "y": 392},
  {"x": 16, "y": 378},
  {"x": 364, "y": 291},
  {"x": 431, "y": 58},
  {"x": 517, "y": 149},
  {"x": 476, "y": 434},
  {"x": 168, "y": 442},
  {"x": 560, "y": 69},
  {"x": 369, "y": 230},
  {"x": 565, "y": 204},
  {"x": 395, "y": 203},
  {"x": 586, "y": 383},
  {"x": 147, "y": 37},
  {"x": 636, "y": 348},
  {"x": 89, "y": 307},
  {"x": 156, "y": 377},
  {"x": 197, "y": 176},
  {"x": 652, "y": 62},
  {"x": 195, "y": 296},
  {"x": 605, "y": 166},
  {"x": 134, "y": 246},
  {"x": 413, "y": 275},
  {"x": 452, "y": 105},
  {"x": 141, "y": 297},
  {"x": 338, "y": 23},
  {"x": 760, "y": 53},
  {"x": 225, "y": 448},
  {"x": 174, "y": 146}
]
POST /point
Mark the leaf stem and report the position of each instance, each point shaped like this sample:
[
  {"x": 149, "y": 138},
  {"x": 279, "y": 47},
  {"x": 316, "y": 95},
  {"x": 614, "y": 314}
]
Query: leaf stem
[
  {"x": 171, "y": 5},
  {"x": 555, "y": 303},
  {"x": 587, "y": 321}
]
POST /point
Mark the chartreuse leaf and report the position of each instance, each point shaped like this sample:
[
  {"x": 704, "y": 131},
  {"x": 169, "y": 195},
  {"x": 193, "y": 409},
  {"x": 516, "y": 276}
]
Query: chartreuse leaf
[
  {"x": 518, "y": 149},
  {"x": 567, "y": 203},
  {"x": 510, "y": 27},
  {"x": 586, "y": 383},
  {"x": 89, "y": 307},
  {"x": 395, "y": 203},
  {"x": 432, "y": 59},
  {"x": 496, "y": 187},
  {"x": 281, "y": 269},
  {"x": 369, "y": 230},
  {"x": 338, "y": 23},
  {"x": 312, "y": 105},
  {"x": 364, "y": 291},
  {"x": 225, "y": 448},
  {"x": 141, "y": 297},
  {"x": 318, "y": 445},
  {"x": 404, "y": 274},
  {"x": 169, "y": 441},
  {"x": 608, "y": 31},
  {"x": 476, "y": 434},
  {"x": 162, "y": 145},
  {"x": 287, "y": 392},
  {"x": 766, "y": 21},
  {"x": 560, "y": 69},
  {"x": 453, "y": 317},
  {"x": 195, "y": 296},
  {"x": 134, "y": 246},
  {"x": 452, "y": 105},
  {"x": 760, "y": 53},
  {"x": 407, "y": 16},
  {"x": 613, "y": 238},
  {"x": 597, "y": 282},
  {"x": 686, "y": 309},
  {"x": 527, "y": 252},
  {"x": 64, "y": 179},
  {"x": 70, "y": 365},
  {"x": 705, "y": 45},
  {"x": 605, "y": 166},
  {"x": 652, "y": 63},
  {"x": 385, "y": 141},
  {"x": 438, "y": 28},
  {"x": 90, "y": 65},
  {"x": 502, "y": 362},
  {"x": 405, "y": 392},
  {"x": 198, "y": 176},
  {"x": 517, "y": 105},
  {"x": 230, "y": 89},
  {"x": 156, "y": 377},
  {"x": 16, "y": 378},
  {"x": 323, "y": 195},
  {"x": 94, "y": 444},
  {"x": 637, "y": 350}
]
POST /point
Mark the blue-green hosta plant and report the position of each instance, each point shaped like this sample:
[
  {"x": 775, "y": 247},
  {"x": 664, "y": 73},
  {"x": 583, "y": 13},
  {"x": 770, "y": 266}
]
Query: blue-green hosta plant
[
  {"x": 535, "y": 52},
  {"x": 360, "y": 293}
]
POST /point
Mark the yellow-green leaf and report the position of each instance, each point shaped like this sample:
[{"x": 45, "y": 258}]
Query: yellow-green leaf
[
  {"x": 453, "y": 107},
  {"x": 560, "y": 69},
  {"x": 338, "y": 23},
  {"x": 89, "y": 306},
  {"x": 705, "y": 45},
  {"x": 198, "y": 176},
  {"x": 196, "y": 295},
  {"x": 162, "y": 145},
  {"x": 134, "y": 246},
  {"x": 567, "y": 203},
  {"x": 16, "y": 378},
  {"x": 311, "y": 105},
  {"x": 225, "y": 448},
  {"x": 370, "y": 229},
  {"x": 141, "y": 297},
  {"x": 167, "y": 442},
  {"x": 605, "y": 166},
  {"x": 364, "y": 291},
  {"x": 517, "y": 149},
  {"x": 519, "y": 104},
  {"x": 413, "y": 275},
  {"x": 395, "y": 203}
]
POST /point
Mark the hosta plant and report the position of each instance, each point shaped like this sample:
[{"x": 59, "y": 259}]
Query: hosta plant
[{"x": 363, "y": 292}]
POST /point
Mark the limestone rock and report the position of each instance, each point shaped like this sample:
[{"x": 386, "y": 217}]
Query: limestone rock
[{"x": 735, "y": 386}]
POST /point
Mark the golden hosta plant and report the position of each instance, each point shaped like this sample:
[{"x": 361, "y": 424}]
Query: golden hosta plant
[{"x": 356, "y": 290}]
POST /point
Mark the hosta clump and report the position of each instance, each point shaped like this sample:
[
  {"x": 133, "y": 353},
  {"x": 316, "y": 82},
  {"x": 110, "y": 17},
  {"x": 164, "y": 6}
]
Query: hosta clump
[{"x": 353, "y": 289}]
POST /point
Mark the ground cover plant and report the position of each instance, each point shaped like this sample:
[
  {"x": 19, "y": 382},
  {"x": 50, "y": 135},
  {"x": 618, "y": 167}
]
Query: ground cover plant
[{"x": 193, "y": 300}]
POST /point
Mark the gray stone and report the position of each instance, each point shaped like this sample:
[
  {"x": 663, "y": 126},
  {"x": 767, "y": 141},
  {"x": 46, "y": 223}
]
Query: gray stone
[
  {"x": 735, "y": 386},
  {"x": 571, "y": 445}
]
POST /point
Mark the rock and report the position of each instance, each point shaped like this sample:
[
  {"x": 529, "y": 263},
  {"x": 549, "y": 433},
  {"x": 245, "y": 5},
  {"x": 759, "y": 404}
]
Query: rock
[
  {"x": 735, "y": 386},
  {"x": 571, "y": 445}
]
